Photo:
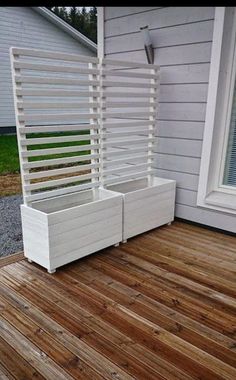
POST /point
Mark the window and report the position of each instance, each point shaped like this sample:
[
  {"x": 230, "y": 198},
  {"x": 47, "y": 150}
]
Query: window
[
  {"x": 217, "y": 180},
  {"x": 229, "y": 176}
]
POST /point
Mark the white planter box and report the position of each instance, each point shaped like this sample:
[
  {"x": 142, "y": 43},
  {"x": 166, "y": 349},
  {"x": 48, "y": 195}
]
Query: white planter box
[
  {"x": 59, "y": 230},
  {"x": 146, "y": 207}
]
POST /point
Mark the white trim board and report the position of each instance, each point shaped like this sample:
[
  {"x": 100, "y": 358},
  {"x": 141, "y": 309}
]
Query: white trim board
[
  {"x": 214, "y": 130},
  {"x": 100, "y": 31}
]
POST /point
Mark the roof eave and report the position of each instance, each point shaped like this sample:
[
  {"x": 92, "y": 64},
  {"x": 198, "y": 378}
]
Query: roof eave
[{"x": 66, "y": 27}]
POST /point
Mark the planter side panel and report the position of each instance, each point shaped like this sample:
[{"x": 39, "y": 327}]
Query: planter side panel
[
  {"x": 88, "y": 230},
  {"x": 35, "y": 236},
  {"x": 145, "y": 209}
]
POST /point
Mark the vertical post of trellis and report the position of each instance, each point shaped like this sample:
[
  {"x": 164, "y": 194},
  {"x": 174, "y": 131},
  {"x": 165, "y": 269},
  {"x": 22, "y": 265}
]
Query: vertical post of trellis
[
  {"x": 20, "y": 124},
  {"x": 93, "y": 120},
  {"x": 101, "y": 116},
  {"x": 152, "y": 118}
]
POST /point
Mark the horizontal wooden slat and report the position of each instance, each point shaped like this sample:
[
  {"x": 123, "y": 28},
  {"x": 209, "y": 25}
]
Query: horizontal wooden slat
[
  {"x": 51, "y": 80},
  {"x": 56, "y": 93},
  {"x": 130, "y": 176},
  {"x": 136, "y": 132},
  {"x": 138, "y": 141},
  {"x": 53, "y": 68},
  {"x": 53, "y": 55},
  {"x": 128, "y": 104},
  {"x": 56, "y": 140},
  {"x": 125, "y": 152},
  {"x": 57, "y": 105},
  {"x": 51, "y": 151},
  {"x": 129, "y": 94},
  {"x": 107, "y": 83},
  {"x": 58, "y": 128},
  {"x": 129, "y": 124},
  {"x": 65, "y": 190},
  {"x": 114, "y": 73},
  {"x": 132, "y": 158},
  {"x": 59, "y": 161},
  {"x": 57, "y": 116},
  {"x": 112, "y": 62},
  {"x": 59, "y": 182},
  {"x": 55, "y": 172},
  {"x": 124, "y": 169},
  {"x": 126, "y": 115}
]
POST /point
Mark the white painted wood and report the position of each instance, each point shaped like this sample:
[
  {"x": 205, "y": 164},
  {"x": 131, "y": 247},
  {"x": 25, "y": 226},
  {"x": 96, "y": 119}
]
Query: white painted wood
[
  {"x": 51, "y": 80},
  {"x": 158, "y": 18},
  {"x": 59, "y": 161},
  {"x": 52, "y": 105},
  {"x": 61, "y": 225},
  {"x": 58, "y": 128},
  {"x": 124, "y": 11},
  {"x": 54, "y": 140},
  {"x": 211, "y": 104},
  {"x": 56, "y": 117},
  {"x": 53, "y": 68},
  {"x": 128, "y": 124},
  {"x": 171, "y": 55},
  {"x": 57, "y": 247},
  {"x": 57, "y": 182},
  {"x": 56, "y": 93},
  {"x": 215, "y": 140},
  {"x": 178, "y": 147},
  {"x": 51, "y": 151},
  {"x": 55, "y": 172},
  {"x": 128, "y": 64},
  {"x": 146, "y": 207},
  {"x": 162, "y": 37},
  {"x": 112, "y": 84},
  {"x": 61, "y": 191},
  {"x": 36, "y": 53},
  {"x": 100, "y": 31},
  {"x": 189, "y": 130}
]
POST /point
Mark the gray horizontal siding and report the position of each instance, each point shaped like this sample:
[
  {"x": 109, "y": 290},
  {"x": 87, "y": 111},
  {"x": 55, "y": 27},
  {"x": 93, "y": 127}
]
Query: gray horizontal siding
[
  {"x": 157, "y": 18},
  {"x": 23, "y": 27},
  {"x": 182, "y": 38}
]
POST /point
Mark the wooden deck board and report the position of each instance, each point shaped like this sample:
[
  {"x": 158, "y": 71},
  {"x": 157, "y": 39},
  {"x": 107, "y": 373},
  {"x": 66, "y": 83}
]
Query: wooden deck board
[{"x": 161, "y": 306}]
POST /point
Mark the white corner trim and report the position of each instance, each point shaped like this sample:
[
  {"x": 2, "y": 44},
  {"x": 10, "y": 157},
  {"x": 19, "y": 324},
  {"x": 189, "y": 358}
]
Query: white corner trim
[
  {"x": 211, "y": 105},
  {"x": 66, "y": 27},
  {"x": 100, "y": 31}
]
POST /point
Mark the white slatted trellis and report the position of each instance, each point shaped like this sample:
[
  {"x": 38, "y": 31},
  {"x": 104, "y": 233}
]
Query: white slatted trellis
[
  {"x": 85, "y": 131},
  {"x": 50, "y": 127},
  {"x": 128, "y": 119},
  {"x": 66, "y": 215},
  {"x": 127, "y": 131}
]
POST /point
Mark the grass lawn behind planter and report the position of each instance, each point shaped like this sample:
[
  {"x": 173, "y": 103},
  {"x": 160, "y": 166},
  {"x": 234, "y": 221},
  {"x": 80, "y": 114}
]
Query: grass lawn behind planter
[{"x": 9, "y": 160}]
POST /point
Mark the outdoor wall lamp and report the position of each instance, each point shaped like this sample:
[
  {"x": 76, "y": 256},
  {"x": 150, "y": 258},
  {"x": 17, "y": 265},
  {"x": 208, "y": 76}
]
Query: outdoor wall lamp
[{"x": 147, "y": 44}]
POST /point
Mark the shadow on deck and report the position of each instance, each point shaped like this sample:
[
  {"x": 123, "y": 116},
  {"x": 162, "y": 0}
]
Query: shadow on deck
[{"x": 161, "y": 306}]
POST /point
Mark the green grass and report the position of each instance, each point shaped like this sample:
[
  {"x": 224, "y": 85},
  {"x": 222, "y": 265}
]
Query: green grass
[{"x": 9, "y": 159}]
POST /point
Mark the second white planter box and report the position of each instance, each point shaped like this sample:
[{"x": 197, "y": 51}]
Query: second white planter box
[
  {"x": 146, "y": 207},
  {"x": 62, "y": 229}
]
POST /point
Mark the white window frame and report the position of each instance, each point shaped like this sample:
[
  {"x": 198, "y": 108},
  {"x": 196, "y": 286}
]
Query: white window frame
[{"x": 211, "y": 192}]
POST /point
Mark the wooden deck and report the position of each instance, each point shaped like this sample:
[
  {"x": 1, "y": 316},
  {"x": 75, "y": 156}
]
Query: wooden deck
[{"x": 161, "y": 306}]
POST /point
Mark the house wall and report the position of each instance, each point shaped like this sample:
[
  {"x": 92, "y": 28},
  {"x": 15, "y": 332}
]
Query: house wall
[
  {"x": 24, "y": 27},
  {"x": 182, "y": 38}
]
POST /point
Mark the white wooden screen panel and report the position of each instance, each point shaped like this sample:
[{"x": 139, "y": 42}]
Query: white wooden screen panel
[
  {"x": 58, "y": 139},
  {"x": 100, "y": 133},
  {"x": 128, "y": 119}
]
